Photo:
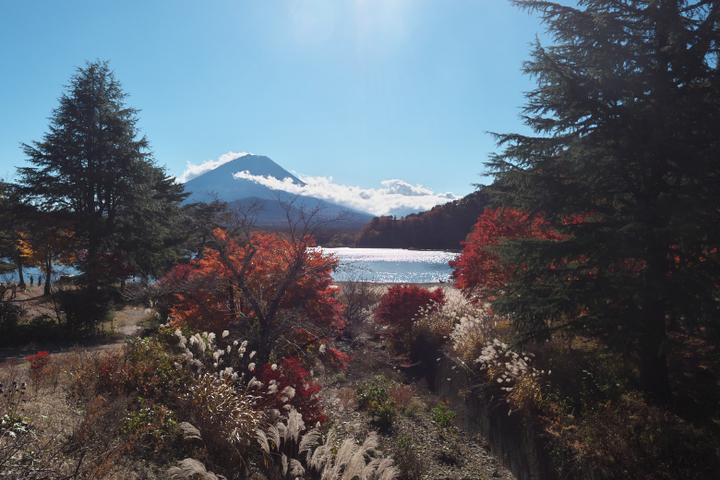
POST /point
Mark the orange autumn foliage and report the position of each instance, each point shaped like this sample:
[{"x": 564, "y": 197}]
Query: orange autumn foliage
[{"x": 279, "y": 284}]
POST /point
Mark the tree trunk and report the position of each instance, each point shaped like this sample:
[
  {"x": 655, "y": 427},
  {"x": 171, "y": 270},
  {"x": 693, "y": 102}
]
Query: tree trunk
[
  {"x": 21, "y": 280},
  {"x": 48, "y": 271},
  {"x": 654, "y": 377},
  {"x": 264, "y": 347}
]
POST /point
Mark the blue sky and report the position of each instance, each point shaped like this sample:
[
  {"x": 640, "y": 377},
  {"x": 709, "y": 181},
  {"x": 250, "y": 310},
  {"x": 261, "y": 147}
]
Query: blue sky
[{"x": 352, "y": 93}]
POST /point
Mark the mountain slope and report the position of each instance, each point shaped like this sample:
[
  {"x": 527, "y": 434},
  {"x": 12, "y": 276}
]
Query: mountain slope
[
  {"x": 220, "y": 183},
  {"x": 443, "y": 227}
]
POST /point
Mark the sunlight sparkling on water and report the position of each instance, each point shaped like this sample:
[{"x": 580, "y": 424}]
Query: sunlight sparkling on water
[{"x": 392, "y": 265}]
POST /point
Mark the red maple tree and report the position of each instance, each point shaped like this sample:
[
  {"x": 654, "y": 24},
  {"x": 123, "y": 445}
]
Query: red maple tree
[
  {"x": 479, "y": 268},
  {"x": 277, "y": 287},
  {"x": 400, "y": 305}
]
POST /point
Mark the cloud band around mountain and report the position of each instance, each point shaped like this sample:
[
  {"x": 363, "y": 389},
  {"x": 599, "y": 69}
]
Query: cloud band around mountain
[
  {"x": 194, "y": 170},
  {"x": 397, "y": 198}
]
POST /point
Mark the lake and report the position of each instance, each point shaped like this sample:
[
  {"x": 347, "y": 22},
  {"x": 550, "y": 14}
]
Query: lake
[
  {"x": 382, "y": 265},
  {"x": 392, "y": 265}
]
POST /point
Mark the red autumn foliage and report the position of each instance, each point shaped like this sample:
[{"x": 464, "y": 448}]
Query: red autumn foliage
[
  {"x": 478, "y": 268},
  {"x": 400, "y": 305},
  {"x": 38, "y": 364},
  {"x": 290, "y": 373},
  {"x": 279, "y": 286}
]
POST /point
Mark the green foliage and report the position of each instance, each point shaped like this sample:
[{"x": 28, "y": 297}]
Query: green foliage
[
  {"x": 373, "y": 396},
  {"x": 410, "y": 463},
  {"x": 13, "y": 424},
  {"x": 9, "y": 318},
  {"x": 153, "y": 371},
  {"x": 83, "y": 310},
  {"x": 151, "y": 424},
  {"x": 443, "y": 415}
]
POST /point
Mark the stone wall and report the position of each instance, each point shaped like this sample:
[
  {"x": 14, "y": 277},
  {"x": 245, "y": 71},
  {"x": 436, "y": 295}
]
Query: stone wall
[{"x": 517, "y": 439}]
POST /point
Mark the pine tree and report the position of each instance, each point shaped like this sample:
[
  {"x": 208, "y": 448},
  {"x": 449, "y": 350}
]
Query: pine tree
[
  {"x": 626, "y": 117},
  {"x": 92, "y": 170}
]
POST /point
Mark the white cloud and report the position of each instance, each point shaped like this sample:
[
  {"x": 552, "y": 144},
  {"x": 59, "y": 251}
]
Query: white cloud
[
  {"x": 398, "y": 198},
  {"x": 197, "y": 170}
]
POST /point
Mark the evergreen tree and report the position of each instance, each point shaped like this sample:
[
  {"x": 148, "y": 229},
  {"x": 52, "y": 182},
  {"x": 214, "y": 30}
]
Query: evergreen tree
[
  {"x": 94, "y": 171},
  {"x": 624, "y": 163},
  {"x": 11, "y": 223}
]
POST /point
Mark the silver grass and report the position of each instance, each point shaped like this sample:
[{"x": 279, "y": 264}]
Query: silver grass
[
  {"x": 296, "y": 468},
  {"x": 191, "y": 469},
  {"x": 355, "y": 466},
  {"x": 307, "y": 441},
  {"x": 274, "y": 435},
  {"x": 263, "y": 441},
  {"x": 295, "y": 425},
  {"x": 288, "y": 392},
  {"x": 371, "y": 442},
  {"x": 189, "y": 432},
  {"x": 273, "y": 414},
  {"x": 282, "y": 429},
  {"x": 386, "y": 470},
  {"x": 390, "y": 473},
  {"x": 369, "y": 470},
  {"x": 323, "y": 454},
  {"x": 284, "y": 461},
  {"x": 343, "y": 457},
  {"x": 254, "y": 383}
]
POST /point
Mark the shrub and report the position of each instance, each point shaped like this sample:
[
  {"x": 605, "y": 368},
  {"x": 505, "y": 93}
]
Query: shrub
[
  {"x": 373, "y": 396},
  {"x": 513, "y": 373},
  {"x": 9, "y": 318},
  {"x": 153, "y": 425},
  {"x": 225, "y": 417},
  {"x": 38, "y": 364},
  {"x": 359, "y": 297},
  {"x": 411, "y": 465},
  {"x": 443, "y": 415},
  {"x": 292, "y": 387},
  {"x": 630, "y": 438},
  {"x": 401, "y": 396},
  {"x": 83, "y": 310},
  {"x": 400, "y": 306}
]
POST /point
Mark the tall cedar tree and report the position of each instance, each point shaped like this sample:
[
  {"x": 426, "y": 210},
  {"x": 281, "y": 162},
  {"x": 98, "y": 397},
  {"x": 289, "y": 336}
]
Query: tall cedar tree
[
  {"x": 626, "y": 118},
  {"x": 93, "y": 171}
]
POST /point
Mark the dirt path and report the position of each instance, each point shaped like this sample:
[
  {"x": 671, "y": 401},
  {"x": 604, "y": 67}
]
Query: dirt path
[{"x": 124, "y": 324}]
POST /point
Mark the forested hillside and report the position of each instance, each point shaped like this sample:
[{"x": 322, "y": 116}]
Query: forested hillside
[{"x": 443, "y": 227}]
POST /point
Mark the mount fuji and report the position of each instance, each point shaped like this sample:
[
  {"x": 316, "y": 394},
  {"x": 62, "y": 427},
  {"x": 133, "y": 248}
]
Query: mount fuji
[{"x": 221, "y": 184}]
